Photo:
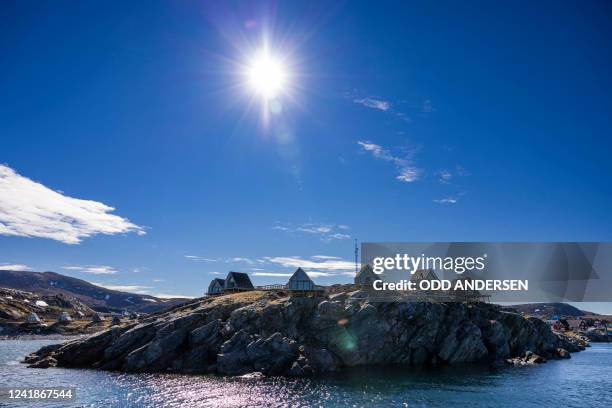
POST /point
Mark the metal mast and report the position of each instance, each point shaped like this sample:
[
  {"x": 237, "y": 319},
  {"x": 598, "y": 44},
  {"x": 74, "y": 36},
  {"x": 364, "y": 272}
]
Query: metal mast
[{"x": 356, "y": 257}]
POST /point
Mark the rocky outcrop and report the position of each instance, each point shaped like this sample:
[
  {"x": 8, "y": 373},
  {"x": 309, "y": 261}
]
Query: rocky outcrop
[{"x": 263, "y": 332}]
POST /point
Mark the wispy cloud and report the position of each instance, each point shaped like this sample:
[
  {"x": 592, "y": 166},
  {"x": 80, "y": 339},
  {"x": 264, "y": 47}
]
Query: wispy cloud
[
  {"x": 158, "y": 280},
  {"x": 239, "y": 259},
  {"x": 272, "y": 274},
  {"x": 377, "y": 103},
  {"x": 30, "y": 209},
  {"x": 215, "y": 273},
  {"x": 138, "y": 289},
  {"x": 171, "y": 296},
  {"x": 447, "y": 200},
  {"x": 326, "y": 232},
  {"x": 197, "y": 258},
  {"x": 324, "y": 257},
  {"x": 14, "y": 267},
  {"x": 328, "y": 265},
  {"x": 444, "y": 176},
  {"x": 407, "y": 172},
  {"x": 374, "y": 103},
  {"x": 93, "y": 269}
]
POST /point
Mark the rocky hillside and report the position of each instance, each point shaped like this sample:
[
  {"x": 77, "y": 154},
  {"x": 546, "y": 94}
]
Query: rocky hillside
[
  {"x": 23, "y": 313},
  {"x": 541, "y": 309},
  {"x": 96, "y": 297},
  {"x": 265, "y": 332},
  {"x": 16, "y": 305}
]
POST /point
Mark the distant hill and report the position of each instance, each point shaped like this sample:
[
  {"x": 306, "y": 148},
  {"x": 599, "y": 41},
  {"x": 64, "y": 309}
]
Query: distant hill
[
  {"x": 560, "y": 309},
  {"x": 96, "y": 297},
  {"x": 16, "y": 305}
]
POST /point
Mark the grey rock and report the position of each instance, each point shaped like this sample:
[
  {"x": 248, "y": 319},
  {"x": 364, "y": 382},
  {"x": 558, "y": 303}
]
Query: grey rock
[{"x": 275, "y": 335}]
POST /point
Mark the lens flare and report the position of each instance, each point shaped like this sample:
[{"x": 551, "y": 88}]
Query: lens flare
[{"x": 267, "y": 75}]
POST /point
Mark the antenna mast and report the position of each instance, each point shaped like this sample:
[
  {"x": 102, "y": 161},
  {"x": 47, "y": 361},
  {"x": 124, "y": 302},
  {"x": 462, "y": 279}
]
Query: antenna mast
[{"x": 356, "y": 257}]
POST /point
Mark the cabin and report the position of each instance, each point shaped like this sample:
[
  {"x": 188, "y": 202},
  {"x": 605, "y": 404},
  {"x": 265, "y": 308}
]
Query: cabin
[
  {"x": 300, "y": 281},
  {"x": 300, "y": 284},
  {"x": 366, "y": 276},
  {"x": 97, "y": 318},
  {"x": 423, "y": 274},
  {"x": 237, "y": 282},
  {"x": 466, "y": 295},
  {"x": 216, "y": 287}
]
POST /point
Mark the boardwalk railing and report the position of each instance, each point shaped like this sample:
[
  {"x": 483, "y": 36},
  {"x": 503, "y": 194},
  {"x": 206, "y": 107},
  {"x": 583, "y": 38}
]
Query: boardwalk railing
[{"x": 272, "y": 287}]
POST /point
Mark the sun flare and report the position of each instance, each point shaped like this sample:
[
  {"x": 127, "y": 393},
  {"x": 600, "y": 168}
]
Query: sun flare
[{"x": 267, "y": 75}]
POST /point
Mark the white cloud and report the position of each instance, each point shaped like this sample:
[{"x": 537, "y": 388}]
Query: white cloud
[
  {"x": 214, "y": 273},
  {"x": 14, "y": 267},
  {"x": 314, "y": 264},
  {"x": 374, "y": 103},
  {"x": 241, "y": 260},
  {"x": 30, "y": 209},
  {"x": 324, "y": 257},
  {"x": 159, "y": 280},
  {"x": 447, "y": 200},
  {"x": 326, "y": 232},
  {"x": 94, "y": 269},
  {"x": 138, "y": 289},
  {"x": 171, "y": 296},
  {"x": 197, "y": 258},
  {"x": 277, "y": 274},
  {"x": 444, "y": 176},
  {"x": 407, "y": 172}
]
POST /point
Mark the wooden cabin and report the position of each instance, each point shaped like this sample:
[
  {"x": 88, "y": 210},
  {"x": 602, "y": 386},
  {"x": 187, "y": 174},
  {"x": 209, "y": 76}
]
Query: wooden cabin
[
  {"x": 467, "y": 295},
  {"x": 366, "y": 277},
  {"x": 423, "y": 274},
  {"x": 300, "y": 281},
  {"x": 300, "y": 284},
  {"x": 237, "y": 282},
  {"x": 216, "y": 287}
]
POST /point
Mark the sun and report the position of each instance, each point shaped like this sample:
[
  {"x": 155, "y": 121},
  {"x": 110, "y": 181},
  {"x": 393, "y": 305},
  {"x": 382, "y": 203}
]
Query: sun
[{"x": 267, "y": 75}]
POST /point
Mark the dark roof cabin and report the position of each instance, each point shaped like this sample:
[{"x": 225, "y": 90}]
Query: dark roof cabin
[
  {"x": 467, "y": 294},
  {"x": 216, "y": 286},
  {"x": 237, "y": 281},
  {"x": 424, "y": 274},
  {"x": 300, "y": 281},
  {"x": 366, "y": 276}
]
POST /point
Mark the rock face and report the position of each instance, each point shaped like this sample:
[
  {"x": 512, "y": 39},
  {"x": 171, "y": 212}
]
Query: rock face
[{"x": 263, "y": 332}]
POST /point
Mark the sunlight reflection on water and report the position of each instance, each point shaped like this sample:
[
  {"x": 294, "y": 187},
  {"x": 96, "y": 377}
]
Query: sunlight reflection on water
[{"x": 584, "y": 380}]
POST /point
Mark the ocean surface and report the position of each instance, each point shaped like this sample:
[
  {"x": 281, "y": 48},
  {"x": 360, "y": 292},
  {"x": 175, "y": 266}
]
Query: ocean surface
[{"x": 583, "y": 381}]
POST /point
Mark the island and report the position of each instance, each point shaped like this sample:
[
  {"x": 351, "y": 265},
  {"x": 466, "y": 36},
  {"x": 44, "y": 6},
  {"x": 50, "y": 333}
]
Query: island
[{"x": 283, "y": 333}]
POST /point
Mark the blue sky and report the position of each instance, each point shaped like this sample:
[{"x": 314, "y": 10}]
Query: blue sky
[{"x": 403, "y": 121}]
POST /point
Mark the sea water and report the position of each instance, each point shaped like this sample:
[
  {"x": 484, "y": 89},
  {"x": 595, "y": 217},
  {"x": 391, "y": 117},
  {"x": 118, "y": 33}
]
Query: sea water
[{"x": 583, "y": 381}]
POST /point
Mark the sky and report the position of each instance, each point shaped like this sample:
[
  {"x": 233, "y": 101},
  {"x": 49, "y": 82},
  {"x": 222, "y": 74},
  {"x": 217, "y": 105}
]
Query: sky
[{"x": 135, "y": 154}]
